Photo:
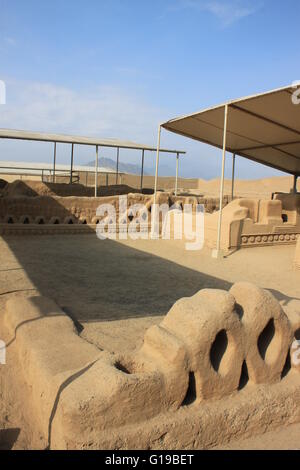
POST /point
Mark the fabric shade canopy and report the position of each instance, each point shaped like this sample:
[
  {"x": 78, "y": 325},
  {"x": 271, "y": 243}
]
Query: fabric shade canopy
[
  {"x": 13, "y": 166},
  {"x": 264, "y": 128},
  {"x": 78, "y": 140}
]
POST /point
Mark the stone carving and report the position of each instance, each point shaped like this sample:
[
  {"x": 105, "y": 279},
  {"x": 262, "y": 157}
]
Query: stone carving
[
  {"x": 200, "y": 351},
  {"x": 267, "y": 332},
  {"x": 199, "y": 354},
  {"x": 254, "y": 222},
  {"x": 211, "y": 332}
]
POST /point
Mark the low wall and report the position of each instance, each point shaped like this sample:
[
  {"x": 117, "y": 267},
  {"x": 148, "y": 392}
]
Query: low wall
[
  {"x": 54, "y": 214},
  {"x": 255, "y": 222},
  {"x": 61, "y": 210},
  {"x": 221, "y": 365}
]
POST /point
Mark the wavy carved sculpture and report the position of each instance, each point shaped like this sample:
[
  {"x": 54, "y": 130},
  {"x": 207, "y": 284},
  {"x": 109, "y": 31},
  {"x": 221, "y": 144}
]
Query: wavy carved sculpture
[{"x": 202, "y": 352}]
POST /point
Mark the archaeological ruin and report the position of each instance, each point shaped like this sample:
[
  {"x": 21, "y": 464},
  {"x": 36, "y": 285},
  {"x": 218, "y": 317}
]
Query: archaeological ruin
[
  {"x": 221, "y": 365},
  {"x": 142, "y": 341}
]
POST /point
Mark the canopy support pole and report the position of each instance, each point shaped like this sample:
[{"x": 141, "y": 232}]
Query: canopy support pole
[
  {"x": 71, "y": 168},
  {"x": 295, "y": 184},
  {"x": 233, "y": 176},
  {"x": 54, "y": 162},
  {"x": 157, "y": 163},
  {"x": 177, "y": 167},
  {"x": 142, "y": 169},
  {"x": 96, "y": 171},
  {"x": 117, "y": 173},
  {"x": 217, "y": 253},
  {"x": 154, "y": 226}
]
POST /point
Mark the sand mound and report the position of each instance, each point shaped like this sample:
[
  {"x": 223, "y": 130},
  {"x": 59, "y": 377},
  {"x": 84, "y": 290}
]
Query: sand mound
[
  {"x": 3, "y": 183},
  {"x": 18, "y": 189},
  {"x": 35, "y": 188},
  {"x": 262, "y": 188}
]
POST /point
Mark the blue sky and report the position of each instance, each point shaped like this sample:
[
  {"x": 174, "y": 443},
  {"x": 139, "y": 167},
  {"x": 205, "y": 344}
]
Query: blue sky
[{"x": 116, "y": 68}]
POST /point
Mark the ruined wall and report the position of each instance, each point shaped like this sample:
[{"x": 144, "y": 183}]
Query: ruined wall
[
  {"x": 217, "y": 367},
  {"x": 31, "y": 207},
  {"x": 48, "y": 210},
  {"x": 81, "y": 209},
  {"x": 255, "y": 222},
  {"x": 55, "y": 215},
  {"x": 58, "y": 209}
]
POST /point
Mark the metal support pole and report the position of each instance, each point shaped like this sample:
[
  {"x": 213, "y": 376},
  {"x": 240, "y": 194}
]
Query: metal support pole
[
  {"x": 176, "y": 182},
  {"x": 217, "y": 253},
  {"x": 71, "y": 168},
  {"x": 54, "y": 162},
  {"x": 118, "y": 156},
  {"x": 233, "y": 176},
  {"x": 96, "y": 171},
  {"x": 154, "y": 227},
  {"x": 106, "y": 179},
  {"x": 142, "y": 170},
  {"x": 157, "y": 163}
]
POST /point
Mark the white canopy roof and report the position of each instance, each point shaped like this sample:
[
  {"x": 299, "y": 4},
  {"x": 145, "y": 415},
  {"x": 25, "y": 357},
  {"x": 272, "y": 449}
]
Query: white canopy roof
[
  {"x": 70, "y": 139},
  {"x": 264, "y": 128},
  {"x": 38, "y": 167}
]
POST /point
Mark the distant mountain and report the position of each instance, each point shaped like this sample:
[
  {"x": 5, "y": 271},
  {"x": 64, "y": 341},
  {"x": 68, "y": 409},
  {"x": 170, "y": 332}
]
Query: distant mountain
[
  {"x": 123, "y": 167},
  {"x": 164, "y": 170}
]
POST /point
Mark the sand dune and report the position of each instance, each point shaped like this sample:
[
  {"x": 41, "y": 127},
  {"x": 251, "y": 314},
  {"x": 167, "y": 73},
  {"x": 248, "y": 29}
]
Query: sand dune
[{"x": 248, "y": 188}]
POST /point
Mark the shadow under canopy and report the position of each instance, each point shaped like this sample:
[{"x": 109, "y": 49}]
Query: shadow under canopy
[{"x": 105, "y": 280}]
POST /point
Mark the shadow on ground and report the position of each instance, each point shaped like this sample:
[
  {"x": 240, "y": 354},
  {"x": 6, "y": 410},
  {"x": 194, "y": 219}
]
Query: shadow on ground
[
  {"x": 91, "y": 279},
  {"x": 95, "y": 280},
  {"x": 8, "y": 437},
  {"x": 105, "y": 280}
]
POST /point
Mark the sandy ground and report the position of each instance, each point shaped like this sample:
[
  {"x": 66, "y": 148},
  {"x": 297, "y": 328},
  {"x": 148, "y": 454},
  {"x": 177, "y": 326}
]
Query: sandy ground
[
  {"x": 283, "y": 439},
  {"x": 82, "y": 274}
]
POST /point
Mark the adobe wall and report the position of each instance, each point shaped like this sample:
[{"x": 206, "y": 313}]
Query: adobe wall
[
  {"x": 60, "y": 209},
  {"x": 55, "y": 214},
  {"x": 221, "y": 365},
  {"x": 255, "y": 222}
]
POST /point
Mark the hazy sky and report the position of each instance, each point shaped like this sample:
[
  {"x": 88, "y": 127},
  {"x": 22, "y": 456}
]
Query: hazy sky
[{"x": 116, "y": 68}]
